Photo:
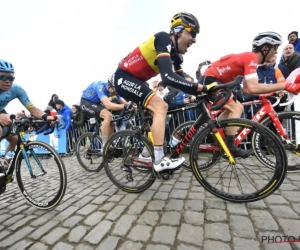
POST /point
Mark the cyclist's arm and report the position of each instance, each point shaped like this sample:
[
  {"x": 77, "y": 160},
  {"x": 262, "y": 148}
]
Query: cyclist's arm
[
  {"x": 35, "y": 112},
  {"x": 251, "y": 83},
  {"x": 111, "y": 106},
  {"x": 252, "y": 87},
  {"x": 164, "y": 63}
]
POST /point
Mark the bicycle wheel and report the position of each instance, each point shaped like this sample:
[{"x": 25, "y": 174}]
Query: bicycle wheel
[
  {"x": 184, "y": 128},
  {"x": 50, "y": 189},
  {"x": 88, "y": 152},
  {"x": 122, "y": 164},
  {"x": 290, "y": 121},
  {"x": 253, "y": 180}
]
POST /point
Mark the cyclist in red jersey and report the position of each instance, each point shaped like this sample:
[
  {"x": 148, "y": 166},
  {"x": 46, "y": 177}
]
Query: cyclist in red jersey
[
  {"x": 160, "y": 54},
  {"x": 227, "y": 68}
]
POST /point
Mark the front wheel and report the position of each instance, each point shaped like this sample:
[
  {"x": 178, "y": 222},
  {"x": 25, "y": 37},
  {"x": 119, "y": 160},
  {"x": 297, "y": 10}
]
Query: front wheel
[
  {"x": 89, "y": 152},
  {"x": 290, "y": 121},
  {"x": 245, "y": 180},
  {"x": 41, "y": 175},
  {"x": 123, "y": 165}
]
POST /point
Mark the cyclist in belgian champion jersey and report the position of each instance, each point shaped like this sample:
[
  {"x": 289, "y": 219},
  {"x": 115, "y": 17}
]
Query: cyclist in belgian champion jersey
[
  {"x": 158, "y": 55},
  {"x": 8, "y": 92},
  {"x": 227, "y": 68}
]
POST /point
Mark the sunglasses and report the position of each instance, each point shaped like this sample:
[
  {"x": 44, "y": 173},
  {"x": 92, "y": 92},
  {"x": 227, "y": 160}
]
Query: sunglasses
[
  {"x": 5, "y": 78},
  {"x": 275, "y": 47},
  {"x": 192, "y": 32}
]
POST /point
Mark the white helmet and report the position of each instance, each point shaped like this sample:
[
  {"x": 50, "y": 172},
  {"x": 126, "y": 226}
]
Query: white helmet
[
  {"x": 111, "y": 80},
  {"x": 269, "y": 37}
]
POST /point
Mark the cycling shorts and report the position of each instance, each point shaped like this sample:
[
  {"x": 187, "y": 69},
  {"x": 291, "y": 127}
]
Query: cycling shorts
[
  {"x": 91, "y": 109},
  {"x": 132, "y": 89},
  {"x": 205, "y": 80}
]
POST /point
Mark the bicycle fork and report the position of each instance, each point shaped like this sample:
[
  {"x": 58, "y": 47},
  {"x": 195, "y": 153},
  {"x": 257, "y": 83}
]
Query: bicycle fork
[
  {"x": 219, "y": 134},
  {"x": 28, "y": 163}
]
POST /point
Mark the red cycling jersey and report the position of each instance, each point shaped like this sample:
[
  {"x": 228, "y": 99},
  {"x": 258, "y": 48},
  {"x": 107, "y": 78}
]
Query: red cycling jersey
[{"x": 227, "y": 68}]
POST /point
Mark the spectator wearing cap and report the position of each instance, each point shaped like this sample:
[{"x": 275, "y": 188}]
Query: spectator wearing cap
[
  {"x": 293, "y": 39},
  {"x": 65, "y": 112}
]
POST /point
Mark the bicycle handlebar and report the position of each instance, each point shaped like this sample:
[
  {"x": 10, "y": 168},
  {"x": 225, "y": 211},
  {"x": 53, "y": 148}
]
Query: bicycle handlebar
[
  {"x": 228, "y": 88},
  {"x": 289, "y": 102},
  {"x": 30, "y": 121}
]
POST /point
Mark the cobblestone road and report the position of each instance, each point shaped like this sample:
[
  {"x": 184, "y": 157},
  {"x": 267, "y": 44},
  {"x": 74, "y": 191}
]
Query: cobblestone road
[{"x": 177, "y": 215}]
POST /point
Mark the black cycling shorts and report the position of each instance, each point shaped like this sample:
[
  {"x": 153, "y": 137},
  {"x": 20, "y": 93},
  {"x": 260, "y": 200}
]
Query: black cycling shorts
[
  {"x": 132, "y": 89},
  {"x": 90, "y": 108}
]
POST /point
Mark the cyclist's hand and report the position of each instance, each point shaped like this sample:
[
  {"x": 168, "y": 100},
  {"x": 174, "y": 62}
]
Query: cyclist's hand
[
  {"x": 209, "y": 88},
  {"x": 293, "y": 88},
  {"x": 128, "y": 106},
  {"x": 5, "y": 119}
]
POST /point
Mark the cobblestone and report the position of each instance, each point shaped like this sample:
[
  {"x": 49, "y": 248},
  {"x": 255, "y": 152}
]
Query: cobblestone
[{"x": 174, "y": 215}]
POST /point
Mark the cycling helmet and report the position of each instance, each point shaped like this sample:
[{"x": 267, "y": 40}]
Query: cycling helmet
[
  {"x": 186, "y": 20},
  {"x": 6, "y": 66},
  {"x": 270, "y": 37},
  {"x": 111, "y": 80}
]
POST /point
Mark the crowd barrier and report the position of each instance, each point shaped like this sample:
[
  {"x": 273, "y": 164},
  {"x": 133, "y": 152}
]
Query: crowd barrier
[{"x": 64, "y": 142}]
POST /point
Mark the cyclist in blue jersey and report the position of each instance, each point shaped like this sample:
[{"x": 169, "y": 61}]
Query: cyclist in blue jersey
[
  {"x": 95, "y": 102},
  {"x": 8, "y": 92}
]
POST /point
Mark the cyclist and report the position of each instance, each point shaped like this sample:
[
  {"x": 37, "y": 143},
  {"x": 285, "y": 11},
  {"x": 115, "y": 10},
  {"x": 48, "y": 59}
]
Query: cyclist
[
  {"x": 95, "y": 101},
  {"x": 227, "y": 68},
  {"x": 8, "y": 92},
  {"x": 159, "y": 54}
]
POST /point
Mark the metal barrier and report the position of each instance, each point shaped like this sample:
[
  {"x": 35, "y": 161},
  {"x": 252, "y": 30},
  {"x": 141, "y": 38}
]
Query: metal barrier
[{"x": 174, "y": 118}]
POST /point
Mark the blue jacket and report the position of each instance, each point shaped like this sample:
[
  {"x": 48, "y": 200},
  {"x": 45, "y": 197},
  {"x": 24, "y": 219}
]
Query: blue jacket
[
  {"x": 66, "y": 113},
  {"x": 297, "y": 46},
  {"x": 179, "y": 100}
]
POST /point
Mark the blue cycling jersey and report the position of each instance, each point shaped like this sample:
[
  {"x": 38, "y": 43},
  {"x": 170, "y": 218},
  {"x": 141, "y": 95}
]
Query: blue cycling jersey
[
  {"x": 14, "y": 92},
  {"x": 96, "y": 91}
]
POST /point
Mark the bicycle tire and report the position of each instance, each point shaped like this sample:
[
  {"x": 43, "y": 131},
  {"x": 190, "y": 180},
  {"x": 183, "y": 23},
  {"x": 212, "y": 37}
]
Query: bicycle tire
[
  {"x": 107, "y": 159},
  {"x": 272, "y": 185},
  {"x": 77, "y": 151},
  {"x": 62, "y": 173},
  {"x": 294, "y": 115}
]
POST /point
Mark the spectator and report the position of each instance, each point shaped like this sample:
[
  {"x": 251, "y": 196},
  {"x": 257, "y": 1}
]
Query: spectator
[
  {"x": 289, "y": 61},
  {"x": 78, "y": 118},
  {"x": 155, "y": 85},
  {"x": 52, "y": 101},
  {"x": 293, "y": 39},
  {"x": 162, "y": 90},
  {"x": 65, "y": 112}
]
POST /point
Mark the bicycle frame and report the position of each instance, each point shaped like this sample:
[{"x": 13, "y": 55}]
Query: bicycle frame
[
  {"x": 21, "y": 146},
  {"x": 205, "y": 117},
  {"x": 266, "y": 110}
]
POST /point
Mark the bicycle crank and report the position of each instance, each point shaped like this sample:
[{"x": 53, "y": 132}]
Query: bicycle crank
[{"x": 164, "y": 175}]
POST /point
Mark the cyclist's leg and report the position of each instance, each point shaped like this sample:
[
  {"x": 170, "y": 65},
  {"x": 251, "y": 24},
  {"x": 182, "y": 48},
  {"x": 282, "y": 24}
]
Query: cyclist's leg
[
  {"x": 97, "y": 110},
  {"x": 232, "y": 110},
  {"x": 12, "y": 143},
  {"x": 107, "y": 127},
  {"x": 132, "y": 89}
]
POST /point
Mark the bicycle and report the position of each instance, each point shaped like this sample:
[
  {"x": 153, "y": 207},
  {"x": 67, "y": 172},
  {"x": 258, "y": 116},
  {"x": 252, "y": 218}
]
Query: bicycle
[
  {"x": 130, "y": 167},
  {"x": 267, "y": 116},
  {"x": 91, "y": 142},
  {"x": 43, "y": 195}
]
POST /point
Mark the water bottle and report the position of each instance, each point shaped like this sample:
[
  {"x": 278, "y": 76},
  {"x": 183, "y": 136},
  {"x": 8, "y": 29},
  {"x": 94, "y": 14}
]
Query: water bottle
[{"x": 176, "y": 138}]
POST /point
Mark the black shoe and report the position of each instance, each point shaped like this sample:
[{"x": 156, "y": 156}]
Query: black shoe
[{"x": 238, "y": 152}]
